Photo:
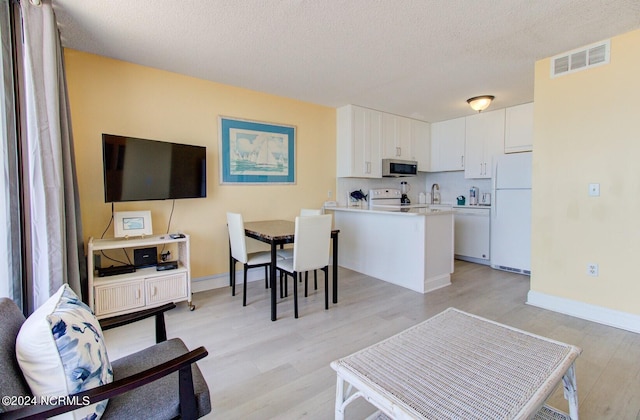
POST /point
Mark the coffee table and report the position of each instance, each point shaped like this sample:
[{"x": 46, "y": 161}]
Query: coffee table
[{"x": 459, "y": 365}]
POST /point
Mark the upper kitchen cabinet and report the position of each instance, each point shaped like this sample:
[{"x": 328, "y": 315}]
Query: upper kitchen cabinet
[
  {"x": 447, "y": 145},
  {"x": 421, "y": 133},
  {"x": 397, "y": 140},
  {"x": 359, "y": 135},
  {"x": 484, "y": 138},
  {"x": 518, "y": 131}
]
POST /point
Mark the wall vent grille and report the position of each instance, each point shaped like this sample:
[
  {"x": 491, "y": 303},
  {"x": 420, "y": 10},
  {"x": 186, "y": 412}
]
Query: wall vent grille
[{"x": 581, "y": 59}]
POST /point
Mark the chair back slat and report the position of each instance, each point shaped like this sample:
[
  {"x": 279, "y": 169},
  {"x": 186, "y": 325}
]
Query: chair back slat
[
  {"x": 237, "y": 237},
  {"x": 312, "y": 242}
]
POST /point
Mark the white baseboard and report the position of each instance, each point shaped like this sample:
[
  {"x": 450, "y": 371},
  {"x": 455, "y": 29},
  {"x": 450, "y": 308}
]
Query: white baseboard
[
  {"x": 599, "y": 314},
  {"x": 218, "y": 281},
  {"x": 437, "y": 282}
]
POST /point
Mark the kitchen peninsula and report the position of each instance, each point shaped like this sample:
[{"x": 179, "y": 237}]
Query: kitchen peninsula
[{"x": 410, "y": 247}]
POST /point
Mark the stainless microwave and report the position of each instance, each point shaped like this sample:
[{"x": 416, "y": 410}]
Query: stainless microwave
[{"x": 398, "y": 168}]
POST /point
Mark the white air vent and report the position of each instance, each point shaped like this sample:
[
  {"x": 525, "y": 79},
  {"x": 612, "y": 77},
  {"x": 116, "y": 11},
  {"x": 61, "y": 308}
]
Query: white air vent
[{"x": 580, "y": 59}]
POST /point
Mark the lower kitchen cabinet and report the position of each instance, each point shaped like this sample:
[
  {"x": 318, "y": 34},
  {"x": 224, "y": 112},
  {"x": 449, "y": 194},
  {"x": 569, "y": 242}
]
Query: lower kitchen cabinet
[{"x": 472, "y": 234}]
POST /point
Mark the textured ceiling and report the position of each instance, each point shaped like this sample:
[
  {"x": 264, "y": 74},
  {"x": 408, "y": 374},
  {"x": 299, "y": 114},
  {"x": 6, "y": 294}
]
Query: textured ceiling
[{"x": 419, "y": 58}]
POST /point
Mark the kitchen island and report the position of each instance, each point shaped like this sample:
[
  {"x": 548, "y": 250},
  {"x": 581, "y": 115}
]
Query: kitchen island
[{"x": 410, "y": 247}]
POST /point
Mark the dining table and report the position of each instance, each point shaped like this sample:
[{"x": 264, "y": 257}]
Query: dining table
[{"x": 277, "y": 233}]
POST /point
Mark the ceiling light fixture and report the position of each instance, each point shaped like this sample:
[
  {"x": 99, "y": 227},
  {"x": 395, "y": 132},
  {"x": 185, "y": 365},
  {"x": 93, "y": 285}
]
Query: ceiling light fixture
[{"x": 480, "y": 103}]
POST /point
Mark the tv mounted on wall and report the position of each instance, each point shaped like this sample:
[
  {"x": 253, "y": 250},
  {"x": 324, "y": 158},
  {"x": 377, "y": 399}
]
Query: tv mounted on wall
[{"x": 140, "y": 170}]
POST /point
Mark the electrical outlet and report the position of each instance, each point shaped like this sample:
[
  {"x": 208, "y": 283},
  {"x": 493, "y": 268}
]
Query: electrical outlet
[
  {"x": 592, "y": 269},
  {"x": 329, "y": 194},
  {"x": 594, "y": 190}
]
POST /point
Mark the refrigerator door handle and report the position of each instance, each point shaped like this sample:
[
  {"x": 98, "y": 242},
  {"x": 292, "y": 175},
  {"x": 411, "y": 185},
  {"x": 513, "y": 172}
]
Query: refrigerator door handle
[
  {"x": 494, "y": 206},
  {"x": 494, "y": 178}
]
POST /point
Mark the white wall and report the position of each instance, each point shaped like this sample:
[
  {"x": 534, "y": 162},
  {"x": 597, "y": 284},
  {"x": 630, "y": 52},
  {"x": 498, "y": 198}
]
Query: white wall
[{"x": 587, "y": 130}]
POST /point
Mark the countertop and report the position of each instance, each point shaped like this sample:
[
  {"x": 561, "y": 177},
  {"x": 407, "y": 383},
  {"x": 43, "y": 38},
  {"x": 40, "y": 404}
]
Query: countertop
[
  {"x": 418, "y": 210},
  {"x": 466, "y": 206}
]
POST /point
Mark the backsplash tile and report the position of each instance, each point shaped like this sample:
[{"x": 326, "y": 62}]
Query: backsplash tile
[{"x": 452, "y": 184}]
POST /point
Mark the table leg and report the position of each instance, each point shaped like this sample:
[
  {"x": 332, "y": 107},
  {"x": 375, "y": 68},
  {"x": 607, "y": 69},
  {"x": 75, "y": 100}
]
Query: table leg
[
  {"x": 335, "y": 267},
  {"x": 272, "y": 275},
  {"x": 231, "y": 266},
  {"x": 339, "y": 399},
  {"x": 571, "y": 391}
]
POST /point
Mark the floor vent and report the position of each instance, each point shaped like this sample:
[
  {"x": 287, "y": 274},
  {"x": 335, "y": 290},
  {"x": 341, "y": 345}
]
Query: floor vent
[{"x": 580, "y": 59}]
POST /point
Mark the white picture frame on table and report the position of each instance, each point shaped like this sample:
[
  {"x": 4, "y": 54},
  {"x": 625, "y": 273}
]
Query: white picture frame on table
[{"x": 132, "y": 223}]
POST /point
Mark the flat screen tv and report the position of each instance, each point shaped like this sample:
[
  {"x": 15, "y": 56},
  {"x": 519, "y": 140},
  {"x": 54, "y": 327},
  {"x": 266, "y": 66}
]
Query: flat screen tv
[{"x": 140, "y": 170}]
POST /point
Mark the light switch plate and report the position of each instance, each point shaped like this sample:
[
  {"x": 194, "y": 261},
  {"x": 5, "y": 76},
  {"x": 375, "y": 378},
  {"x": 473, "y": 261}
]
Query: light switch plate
[{"x": 594, "y": 190}]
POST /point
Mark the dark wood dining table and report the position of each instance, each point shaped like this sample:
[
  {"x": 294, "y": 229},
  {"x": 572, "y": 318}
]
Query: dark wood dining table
[{"x": 277, "y": 233}]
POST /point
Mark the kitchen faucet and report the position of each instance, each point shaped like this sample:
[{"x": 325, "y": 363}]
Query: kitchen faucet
[{"x": 434, "y": 188}]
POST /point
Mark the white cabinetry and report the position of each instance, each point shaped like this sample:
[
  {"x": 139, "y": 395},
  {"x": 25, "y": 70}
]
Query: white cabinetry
[
  {"x": 447, "y": 145},
  {"x": 397, "y": 139},
  {"x": 484, "y": 138},
  {"x": 518, "y": 133},
  {"x": 359, "y": 133},
  {"x": 144, "y": 288},
  {"x": 472, "y": 234},
  {"x": 421, "y": 132}
]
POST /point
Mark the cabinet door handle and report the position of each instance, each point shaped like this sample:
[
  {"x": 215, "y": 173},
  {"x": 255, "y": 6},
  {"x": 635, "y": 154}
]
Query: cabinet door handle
[
  {"x": 462, "y": 161},
  {"x": 398, "y": 151}
]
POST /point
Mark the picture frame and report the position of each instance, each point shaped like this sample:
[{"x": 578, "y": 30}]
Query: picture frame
[
  {"x": 254, "y": 152},
  {"x": 132, "y": 223}
]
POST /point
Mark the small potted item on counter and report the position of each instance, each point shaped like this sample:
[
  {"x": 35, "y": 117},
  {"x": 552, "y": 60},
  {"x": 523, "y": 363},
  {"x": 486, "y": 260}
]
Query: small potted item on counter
[{"x": 461, "y": 200}]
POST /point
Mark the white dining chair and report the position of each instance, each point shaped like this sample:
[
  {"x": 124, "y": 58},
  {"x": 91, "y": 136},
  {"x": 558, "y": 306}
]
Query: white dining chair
[
  {"x": 288, "y": 253},
  {"x": 238, "y": 246},
  {"x": 310, "y": 252}
]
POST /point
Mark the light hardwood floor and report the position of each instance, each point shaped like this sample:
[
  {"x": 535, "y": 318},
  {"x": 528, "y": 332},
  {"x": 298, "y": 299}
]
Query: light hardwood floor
[{"x": 258, "y": 369}]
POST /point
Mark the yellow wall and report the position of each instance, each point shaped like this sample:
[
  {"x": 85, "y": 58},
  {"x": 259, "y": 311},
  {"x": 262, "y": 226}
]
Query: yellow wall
[
  {"x": 587, "y": 130},
  {"x": 110, "y": 96}
]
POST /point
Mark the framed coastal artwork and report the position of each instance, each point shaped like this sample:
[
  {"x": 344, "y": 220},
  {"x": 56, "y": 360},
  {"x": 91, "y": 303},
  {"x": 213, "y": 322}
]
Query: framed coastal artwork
[
  {"x": 253, "y": 152},
  {"x": 132, "y": 223}
]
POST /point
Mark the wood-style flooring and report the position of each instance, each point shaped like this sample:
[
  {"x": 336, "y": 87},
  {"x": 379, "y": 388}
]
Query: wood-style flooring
[{"x": 259, "y": 369}]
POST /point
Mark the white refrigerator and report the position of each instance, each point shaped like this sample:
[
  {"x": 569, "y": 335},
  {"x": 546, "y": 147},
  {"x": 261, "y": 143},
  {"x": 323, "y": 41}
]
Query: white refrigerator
[{"x": 511, "y": 213}]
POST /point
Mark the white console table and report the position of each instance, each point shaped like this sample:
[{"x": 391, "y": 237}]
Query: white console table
[{"x": 144, "y": 288}]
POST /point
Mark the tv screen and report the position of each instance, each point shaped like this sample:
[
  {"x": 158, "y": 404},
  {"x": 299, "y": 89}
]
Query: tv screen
[{"x": 140, "y": 170}]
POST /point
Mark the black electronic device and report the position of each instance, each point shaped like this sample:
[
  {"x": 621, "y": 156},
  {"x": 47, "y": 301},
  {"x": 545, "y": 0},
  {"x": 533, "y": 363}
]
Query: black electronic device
[
  {"x": 115, "y": 270},
  {"x": 139, "y": 170},
  {"x": 145, "y": 257},
  {"x": 176, "y": 235},
  {"x": 167, "y": 265}
]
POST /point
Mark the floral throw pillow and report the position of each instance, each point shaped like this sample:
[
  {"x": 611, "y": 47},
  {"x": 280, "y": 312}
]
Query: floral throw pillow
[{"x": 61, "y": 351}]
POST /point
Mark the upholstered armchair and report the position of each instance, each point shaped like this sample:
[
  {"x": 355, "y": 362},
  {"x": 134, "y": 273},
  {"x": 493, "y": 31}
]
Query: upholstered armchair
[{"x": 173, "y": 384}]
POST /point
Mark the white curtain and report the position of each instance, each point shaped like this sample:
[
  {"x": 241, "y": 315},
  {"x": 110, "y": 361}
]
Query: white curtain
[
  {"x": 54, "y": 237},
  {"x": 10, "y": 240}
]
